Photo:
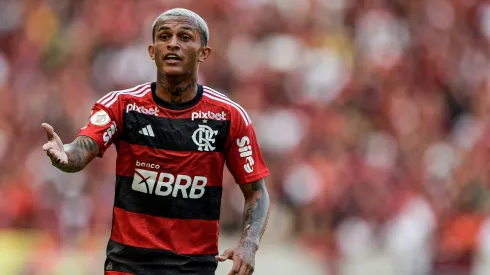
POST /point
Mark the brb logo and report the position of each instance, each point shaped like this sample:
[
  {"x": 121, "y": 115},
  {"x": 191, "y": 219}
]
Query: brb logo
[
  {"x": 208, "y": 115},
  {"x": 204, "y": 138},
  {"x": 245, "y": 150},
  {"x": 142, "y": 109},
  {"x": 109, "y": 133},
  {"x": 164, "y": 184}
]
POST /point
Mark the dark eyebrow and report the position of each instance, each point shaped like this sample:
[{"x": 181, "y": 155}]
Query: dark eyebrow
[{"x": 163, "y": 28}]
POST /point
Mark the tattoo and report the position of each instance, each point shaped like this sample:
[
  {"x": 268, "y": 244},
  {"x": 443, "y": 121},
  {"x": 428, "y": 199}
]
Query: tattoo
[
  {"x": 246, "y": 251},
  {"x": 80, "y": 152},
  {"x": 255, "y": 216},
  {"x": 176, "y": 89}
]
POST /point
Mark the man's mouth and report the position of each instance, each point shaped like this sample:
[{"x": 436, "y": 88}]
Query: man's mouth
[{"x": 172, "y": 56}]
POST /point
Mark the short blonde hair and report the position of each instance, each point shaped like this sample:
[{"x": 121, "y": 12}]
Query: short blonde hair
[{"x": 202, "y": 26}]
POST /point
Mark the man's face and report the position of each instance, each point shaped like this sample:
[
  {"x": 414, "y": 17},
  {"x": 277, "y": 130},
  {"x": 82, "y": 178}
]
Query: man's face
[{"x": 177, "y": 49}]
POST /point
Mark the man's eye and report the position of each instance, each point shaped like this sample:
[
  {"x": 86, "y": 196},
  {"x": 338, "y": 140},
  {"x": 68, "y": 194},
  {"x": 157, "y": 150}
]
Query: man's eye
[
  {"x": 163, "y": 36},
  {"x": 186, "y": 37}
]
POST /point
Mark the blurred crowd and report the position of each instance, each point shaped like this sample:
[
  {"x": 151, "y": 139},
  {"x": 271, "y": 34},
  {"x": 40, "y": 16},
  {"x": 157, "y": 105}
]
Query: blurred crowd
[{"x": 373, "y": 117}]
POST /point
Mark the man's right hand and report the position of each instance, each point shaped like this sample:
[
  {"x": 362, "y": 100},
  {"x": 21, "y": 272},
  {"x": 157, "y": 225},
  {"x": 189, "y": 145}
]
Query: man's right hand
[{"x": 54, "y": 147}]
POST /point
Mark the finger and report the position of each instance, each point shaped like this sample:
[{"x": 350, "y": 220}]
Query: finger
[
  {"x": 220, "y": 258},
  {"x": 50, "y": 145},
  {"x": 228, "y": 254},
  {"x": 60, "y": 157},
  {"x": 54, "y": 161},
  {"x": 47, "y": 146},
  {"x": 52, "y": 135},
  {"x": 50, "y": 153},
  {"x": 49, "y": 130},
  {"x": 237, "y": 263},
  {"x": 243, "y": 268},
  {"x": 52, "y": 156},
  {"x": 55, "y": 155}
]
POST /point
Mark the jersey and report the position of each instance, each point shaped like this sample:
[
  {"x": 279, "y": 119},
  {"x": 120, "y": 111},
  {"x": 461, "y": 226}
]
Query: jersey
[{"x": 169, "y": 176}]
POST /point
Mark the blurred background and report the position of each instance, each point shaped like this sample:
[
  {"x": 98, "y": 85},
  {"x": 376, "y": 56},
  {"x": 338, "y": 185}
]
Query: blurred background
[{"x": 373, "y": 117}]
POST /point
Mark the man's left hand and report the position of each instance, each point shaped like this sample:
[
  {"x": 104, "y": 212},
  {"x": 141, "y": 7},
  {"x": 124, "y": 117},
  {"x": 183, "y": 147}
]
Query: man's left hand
[{"x": 243, "y": 257}]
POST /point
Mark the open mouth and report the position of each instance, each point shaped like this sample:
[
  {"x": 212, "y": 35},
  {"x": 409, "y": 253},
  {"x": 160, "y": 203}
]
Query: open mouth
[{"x": 173, "y": 57}]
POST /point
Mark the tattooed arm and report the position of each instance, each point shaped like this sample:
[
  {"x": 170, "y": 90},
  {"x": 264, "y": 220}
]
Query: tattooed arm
[
  {"x": 255, "y": 215},
  {"x": 69, "y": 158}
]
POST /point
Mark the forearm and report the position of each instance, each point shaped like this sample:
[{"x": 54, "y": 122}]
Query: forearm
[
  {"x": 255, "y": 215},
  {"x": 80, "y": 152}
]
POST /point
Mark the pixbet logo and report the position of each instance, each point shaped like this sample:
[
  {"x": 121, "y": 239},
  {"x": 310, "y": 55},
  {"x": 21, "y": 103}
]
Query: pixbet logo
[
  {"x": 165, "y": 184},
  {"x": 245, "y": 150},
  {"x": 109, "y": 133},
  {"x": 141, "y": 109},
  {"x": 208, "y": 115}
]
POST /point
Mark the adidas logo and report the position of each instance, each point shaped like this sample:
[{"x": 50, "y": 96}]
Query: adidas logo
[{"x": 147, "y": 131}]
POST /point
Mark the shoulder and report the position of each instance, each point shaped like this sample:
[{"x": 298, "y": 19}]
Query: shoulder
[
  {"x": 236, "y": 111},
  {"x": 135, "y": 92}
]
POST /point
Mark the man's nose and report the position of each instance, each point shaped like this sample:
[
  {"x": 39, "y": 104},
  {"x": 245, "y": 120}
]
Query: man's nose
[{"x": 173, "y": 43}]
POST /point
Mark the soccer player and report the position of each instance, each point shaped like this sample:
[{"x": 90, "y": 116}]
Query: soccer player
[{"x": 173, "y": 138}]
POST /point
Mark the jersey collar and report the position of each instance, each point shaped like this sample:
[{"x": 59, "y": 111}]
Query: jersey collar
[{"x": 177, "y": 106}]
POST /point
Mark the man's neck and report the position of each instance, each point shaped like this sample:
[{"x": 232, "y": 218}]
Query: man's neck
[{"x": 176, "y": 90}]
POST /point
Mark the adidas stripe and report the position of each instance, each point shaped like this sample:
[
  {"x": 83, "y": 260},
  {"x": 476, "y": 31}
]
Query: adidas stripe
[{"x": 147, "y": 131}]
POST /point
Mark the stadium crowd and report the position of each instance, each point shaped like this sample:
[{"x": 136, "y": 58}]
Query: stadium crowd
[{"x": 373, "y": 117}]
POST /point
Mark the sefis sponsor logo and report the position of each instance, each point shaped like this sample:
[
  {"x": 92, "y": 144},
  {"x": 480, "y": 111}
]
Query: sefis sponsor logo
[
  {"x": 109, "y": 133},
  {"x": 141, "y": 109},
  {"x": 245, "y": 150},
  {"x": 208, "y": 115},
  {"x": 165, "y": 184}
]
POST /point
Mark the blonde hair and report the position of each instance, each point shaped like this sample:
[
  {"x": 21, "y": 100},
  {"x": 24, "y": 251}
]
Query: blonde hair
[{"x": 202, "y": 26}]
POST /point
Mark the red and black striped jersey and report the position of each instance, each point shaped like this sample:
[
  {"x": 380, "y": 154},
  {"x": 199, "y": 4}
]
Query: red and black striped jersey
[{"x": 169, "y": 173}]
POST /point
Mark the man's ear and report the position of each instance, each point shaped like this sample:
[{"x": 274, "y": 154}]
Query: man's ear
[
  {"x": 204, "y": 54},
  {"x": 151, "y": 51}
]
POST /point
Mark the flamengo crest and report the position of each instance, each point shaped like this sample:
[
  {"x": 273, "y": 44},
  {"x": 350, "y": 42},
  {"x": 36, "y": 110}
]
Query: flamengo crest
[{"x": 204, "y": 138}]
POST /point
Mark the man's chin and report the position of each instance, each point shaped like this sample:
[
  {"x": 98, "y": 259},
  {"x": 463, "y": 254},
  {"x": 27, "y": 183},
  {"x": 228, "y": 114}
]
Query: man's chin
[{"x": 173, "y": 72}]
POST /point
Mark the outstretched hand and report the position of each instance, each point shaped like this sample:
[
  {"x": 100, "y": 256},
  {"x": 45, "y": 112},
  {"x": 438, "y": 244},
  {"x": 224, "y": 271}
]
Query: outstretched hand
[
  {"x": 54, "y": 147},
  {"x": 243, "y": 257}
]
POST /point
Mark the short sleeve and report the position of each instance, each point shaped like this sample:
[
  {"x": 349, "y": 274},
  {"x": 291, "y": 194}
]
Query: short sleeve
[
  {"x": 243, "y": 156},
  {"x": 104, "y": 126}
]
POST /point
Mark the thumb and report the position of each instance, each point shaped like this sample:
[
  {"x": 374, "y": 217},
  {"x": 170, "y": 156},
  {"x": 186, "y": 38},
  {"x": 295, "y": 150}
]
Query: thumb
[
  {"x": 49, "y": 131},
  {"x": 228, "y": 254}
]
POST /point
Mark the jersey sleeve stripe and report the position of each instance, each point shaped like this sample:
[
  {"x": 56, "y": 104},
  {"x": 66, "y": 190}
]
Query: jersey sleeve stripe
[
  {"x": 127, "y": 91},
  {"x": 134, "y": 94},
  {"x": 227, "y": 102},
  {"x": 109, "y": 97},
  {"x": 106, "y": 97},
  {"x": 111, "y": 94},
  {"x": 220, "y": 95},
  {"x": 138, "y": 93},
  {"x": 217, "y": 93}
]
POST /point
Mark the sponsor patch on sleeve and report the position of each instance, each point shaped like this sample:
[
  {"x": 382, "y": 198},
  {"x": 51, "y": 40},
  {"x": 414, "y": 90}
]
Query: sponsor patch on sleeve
[{"x": 100, "y": 118}]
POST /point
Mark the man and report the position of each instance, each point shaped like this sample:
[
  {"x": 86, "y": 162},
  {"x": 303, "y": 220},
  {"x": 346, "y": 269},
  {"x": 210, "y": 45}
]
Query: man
[{"x": 173, "y": 137}]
